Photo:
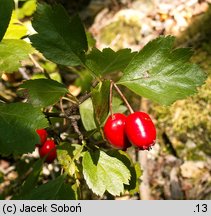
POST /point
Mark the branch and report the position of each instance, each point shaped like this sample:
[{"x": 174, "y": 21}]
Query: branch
[{"x": 62, "y": 115}]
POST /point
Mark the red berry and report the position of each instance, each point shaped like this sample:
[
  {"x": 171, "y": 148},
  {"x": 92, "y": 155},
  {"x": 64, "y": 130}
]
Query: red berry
[
  {"x": 140, "y": 130},
  {"x": 48, "y": 148},
  {"x": 43, "y": 135},
  {"x": 114, "y": 130}
]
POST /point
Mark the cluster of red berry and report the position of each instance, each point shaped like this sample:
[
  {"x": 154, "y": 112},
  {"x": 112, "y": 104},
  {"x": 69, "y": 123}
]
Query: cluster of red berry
[
  {"x": 47, "y": 147},
  {"x": 137, "y": 129}
]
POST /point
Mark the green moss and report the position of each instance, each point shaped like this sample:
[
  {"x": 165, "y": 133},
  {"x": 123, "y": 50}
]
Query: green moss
[{"x": 123, "y": 31}]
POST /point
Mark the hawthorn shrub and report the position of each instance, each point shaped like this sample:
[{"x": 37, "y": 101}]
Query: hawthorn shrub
[{"x": 158, "y": 72}]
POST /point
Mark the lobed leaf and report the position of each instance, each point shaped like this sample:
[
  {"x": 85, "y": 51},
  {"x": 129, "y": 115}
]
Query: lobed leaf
[
  {"x": 161, "y": 73},
  {"x": 18, "y": 124},
  {"x": 107, "y": 60},
  {"x": 44, "y": 92},
  {"x": 59, "y": 38},
  {"x": 103, "y": 172}
]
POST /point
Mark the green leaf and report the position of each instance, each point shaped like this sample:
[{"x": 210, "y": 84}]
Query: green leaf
[
  {"x": 67, "y": 155},
  {"x": 6, "y": 8},
  {"x": 162, "y": 74},
  {"x": 23, "y": 166},
  {"x": 90, "y": 40},
  {"x": 100, "y": 100},
  {"x": 16, "y": 29},
  {"x": 84, "y": 81},
  {"x": 44, "y": 92},
  {"x": 134, "y": 168},
  {"x": 103, "y": 172},
  {"x": 11, "y": 53},
  {"x": 60, "y": 39},
  {"x": 87, "y": 112},
  {"x": 87, "y": 115},
  {"x": 31, "y": 180},
  {"x": 18, "y": 124},
  {"x": 108, "y": 60},
  {"x": 134, "y": 187},
  {"x": 53, "y": 190}
]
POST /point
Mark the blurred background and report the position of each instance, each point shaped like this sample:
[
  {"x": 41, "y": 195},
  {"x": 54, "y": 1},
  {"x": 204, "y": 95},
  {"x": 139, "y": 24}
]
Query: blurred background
[{"x": 179, "y": 165}]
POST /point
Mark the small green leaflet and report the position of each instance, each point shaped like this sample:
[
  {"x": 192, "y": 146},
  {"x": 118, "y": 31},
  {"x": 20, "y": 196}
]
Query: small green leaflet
[
  {"x": 100, "y": 101},
  {"x": 18, "y": 124},
  {"x": 108, "y": 60},
  {"x": 104, "y": 173},
  {"x": 56, "y": 189},
  {"x": 59, "y": 38},
  {"x": 13, "y": 51},
  {"x": 87, "y": 115},
  {"x": 162, "y": 74},
  {"x": 6, "y": 7},
  {"x": 68, "y": 154},
  {"x": 44, "y": 92}
]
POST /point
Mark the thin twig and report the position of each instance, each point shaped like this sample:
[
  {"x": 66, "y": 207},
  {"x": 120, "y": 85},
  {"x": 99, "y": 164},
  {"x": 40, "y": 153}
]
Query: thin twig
[
  {"x": 23, "y": 73},
  {"x": 62, "y": 109},
  {"x": 124, "y": 99},
  {"x": 3, "y": 99},
  {"x": 76, "y": 128},
  {"x": 71, "y": 98},
  {"x": 62, "y": 115},
  {"x": 110, "y": 98},
  {"x": 68, "y": 99},
  {"x": 37, "y": 65}
]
